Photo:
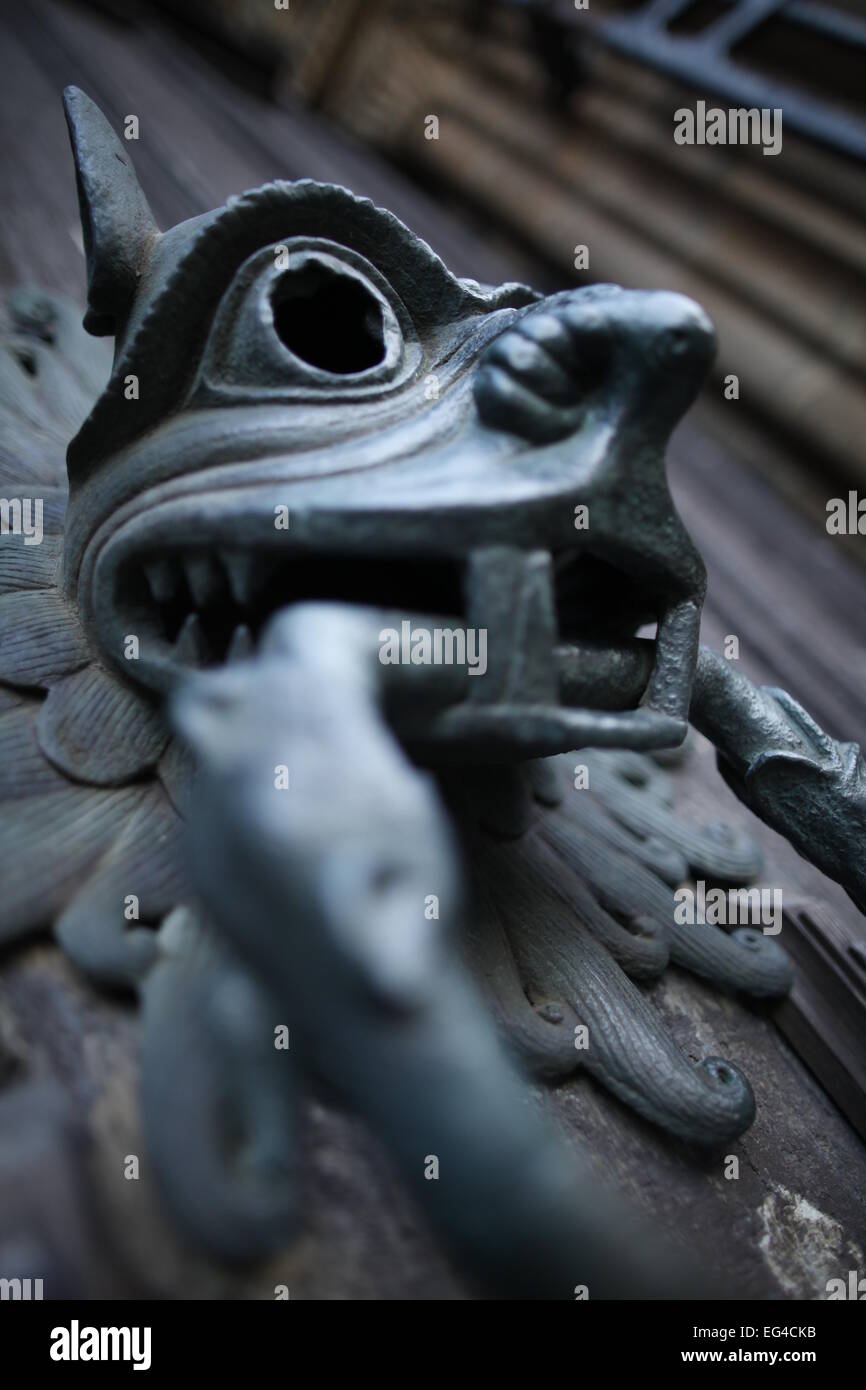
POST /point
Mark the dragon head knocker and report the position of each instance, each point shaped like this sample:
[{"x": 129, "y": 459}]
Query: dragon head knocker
[{"x": 480, "y": 454}]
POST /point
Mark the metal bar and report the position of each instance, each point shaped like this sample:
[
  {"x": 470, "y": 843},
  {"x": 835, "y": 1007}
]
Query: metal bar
[{"x": 691, "y": 62}]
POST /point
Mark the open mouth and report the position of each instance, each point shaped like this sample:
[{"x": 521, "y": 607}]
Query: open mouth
[
  {"x": 565, "y": 668},
  {"x": 205, "y": 607}
]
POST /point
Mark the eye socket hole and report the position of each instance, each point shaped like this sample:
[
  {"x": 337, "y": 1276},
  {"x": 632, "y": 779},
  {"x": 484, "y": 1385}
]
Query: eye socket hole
[{"x": 328, "y": 320}]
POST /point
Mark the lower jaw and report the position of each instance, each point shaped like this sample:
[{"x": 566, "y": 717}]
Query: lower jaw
[
  {"x": 514, "y": 733},
  {"x": 630, "y": 694},
  {"x": 599, "y": 704}
]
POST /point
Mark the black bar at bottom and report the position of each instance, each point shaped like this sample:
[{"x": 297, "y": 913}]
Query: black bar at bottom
[{"x": 63, "y": 1339}]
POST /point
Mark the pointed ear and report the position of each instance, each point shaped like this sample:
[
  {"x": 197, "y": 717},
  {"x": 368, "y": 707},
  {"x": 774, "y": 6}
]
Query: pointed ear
[{"x": 116, "y": 221}]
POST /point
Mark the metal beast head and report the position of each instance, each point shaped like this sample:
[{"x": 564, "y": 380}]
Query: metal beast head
[
  {"x": 314, "y": 435},
  {"x": 433, "y": 447}
]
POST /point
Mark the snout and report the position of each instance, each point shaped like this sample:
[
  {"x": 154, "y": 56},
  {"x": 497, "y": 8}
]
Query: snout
[
  {"x": 599, "y": 350},
  {"x": 684, "y": 329}
]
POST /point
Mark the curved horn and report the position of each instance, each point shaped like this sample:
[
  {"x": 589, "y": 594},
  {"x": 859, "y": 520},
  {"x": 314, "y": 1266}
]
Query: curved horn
[{"x": 116, "y": 220}]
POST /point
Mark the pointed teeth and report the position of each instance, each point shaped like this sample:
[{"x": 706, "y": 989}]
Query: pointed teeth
[
  {"x": 191, "y": 646},
  {"x": 162, "y": 576},
  {"x": 240, "y": 568},
  {"x": 206, "y": 580},
  {"x": 248, "y": 574},
  {"x": 241, "y": 646}
]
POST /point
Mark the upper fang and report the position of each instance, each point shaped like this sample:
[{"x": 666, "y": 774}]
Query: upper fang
[
  {"x": 162, "y": 578},
  {"x": 205, "y": 579}
]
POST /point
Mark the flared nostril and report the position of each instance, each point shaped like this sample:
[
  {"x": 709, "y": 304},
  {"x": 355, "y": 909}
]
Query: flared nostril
[
  {"x": 685, "y": 322},
  {"x": 690, "y": 333}
]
